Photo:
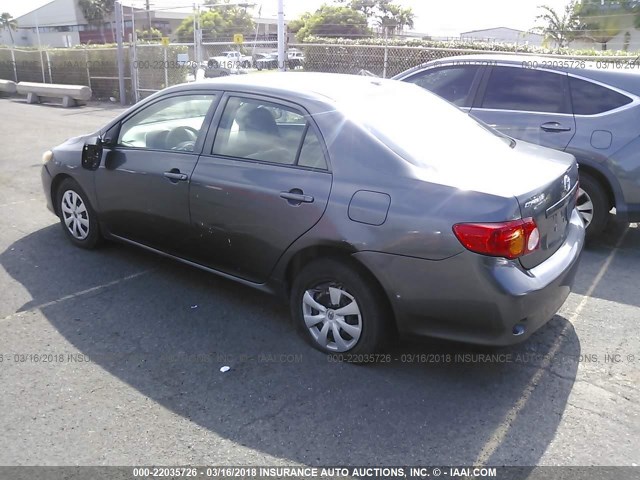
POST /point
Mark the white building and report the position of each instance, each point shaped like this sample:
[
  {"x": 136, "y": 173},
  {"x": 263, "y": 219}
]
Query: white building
[
  {"x": 62, "y": 24},
  {"x": 503, "y": 35}
]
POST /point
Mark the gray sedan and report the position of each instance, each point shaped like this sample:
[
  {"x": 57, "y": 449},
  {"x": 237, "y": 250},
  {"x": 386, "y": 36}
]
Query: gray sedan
[{"x": 373, "y": 206}]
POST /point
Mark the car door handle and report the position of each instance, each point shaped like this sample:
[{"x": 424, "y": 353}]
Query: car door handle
[
  {"x": 296, "y": 197},
  {"x": 554, "y": 127},
  {"x": 175, "y": 176}
]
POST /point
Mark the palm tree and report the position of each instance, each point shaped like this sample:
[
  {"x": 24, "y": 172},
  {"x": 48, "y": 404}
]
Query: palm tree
[
  {"x": 96, "y": 12},
  {"x": 394, "y": 18},
  {"x": 559, "y": 28},
  {"x": 601, "y": 19},
  {"x": 7, "y": 22}
]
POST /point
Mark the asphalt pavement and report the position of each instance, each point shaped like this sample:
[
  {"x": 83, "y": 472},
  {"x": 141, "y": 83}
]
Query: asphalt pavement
[{"x": 113, "y": 357}]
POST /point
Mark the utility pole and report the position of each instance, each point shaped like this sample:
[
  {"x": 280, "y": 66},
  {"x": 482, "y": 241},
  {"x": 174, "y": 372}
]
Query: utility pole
[
  {"x": 148, "y": 6},
  {"x": 282, "y": 55},
  {"x": 120, "y": 52},
  {"x": 40, "y": 48}
]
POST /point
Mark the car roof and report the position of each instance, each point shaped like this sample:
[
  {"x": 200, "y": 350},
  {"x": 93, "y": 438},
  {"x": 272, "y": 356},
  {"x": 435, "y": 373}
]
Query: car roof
[
  {"x": 553, "y": 62},
  {"x": 325, "y": 87},
  {"x": 592, "y": 68}
]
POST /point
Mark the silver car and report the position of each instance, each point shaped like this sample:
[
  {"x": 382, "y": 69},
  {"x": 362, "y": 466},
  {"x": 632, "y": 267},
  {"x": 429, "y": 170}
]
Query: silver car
[
  {"x": 372, "y": 206},
  {"x": 589, "y": 109}
]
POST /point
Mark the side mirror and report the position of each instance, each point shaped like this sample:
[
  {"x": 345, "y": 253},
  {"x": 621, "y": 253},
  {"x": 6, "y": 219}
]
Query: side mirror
[{"x": 92, "y": 153}]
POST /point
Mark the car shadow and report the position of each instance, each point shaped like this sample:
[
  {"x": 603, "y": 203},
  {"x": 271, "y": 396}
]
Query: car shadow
[
  {"x": 168, "y": 331},
  {"x": 618, "y": 282}
]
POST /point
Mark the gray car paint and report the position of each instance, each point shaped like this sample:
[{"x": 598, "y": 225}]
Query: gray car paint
[{"x": 412, "y": 252}]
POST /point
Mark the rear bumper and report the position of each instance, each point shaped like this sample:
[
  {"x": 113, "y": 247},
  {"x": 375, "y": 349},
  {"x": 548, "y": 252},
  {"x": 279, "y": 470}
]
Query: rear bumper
[{"x": 474, "y": 298}]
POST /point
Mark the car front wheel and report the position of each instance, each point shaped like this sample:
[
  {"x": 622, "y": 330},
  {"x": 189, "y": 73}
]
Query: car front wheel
[
  {"x": 77, "y": 217},
  {"x": 338, "y": 308}
]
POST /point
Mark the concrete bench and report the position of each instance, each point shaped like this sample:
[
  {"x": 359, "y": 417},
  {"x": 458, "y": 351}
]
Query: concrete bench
[
  {"x": 8, "y": 87},
  {"x": 71, "y": 95}
]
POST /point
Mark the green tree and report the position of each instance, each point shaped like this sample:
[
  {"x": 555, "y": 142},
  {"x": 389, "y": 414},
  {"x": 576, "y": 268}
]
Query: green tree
[
  {"x": 560, "y": 28},
  {"x": 154, "y": 35},
  {"x": 97, "y": 12},
  {"x": 221, "y": 21},
  {"x": 7, "y": 22},
  {"x": 294, "y": 26},
  {"x": 383, "y": 13},
  {"x": 601, "y": 20},
  {"x": 393, "y": 17},
  {"x": 632, "y": 7},
  {"x": 334, "y": 21}
]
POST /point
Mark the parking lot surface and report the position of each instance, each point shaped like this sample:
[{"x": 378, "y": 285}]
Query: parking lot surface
[{"x": 113, "y": 357}]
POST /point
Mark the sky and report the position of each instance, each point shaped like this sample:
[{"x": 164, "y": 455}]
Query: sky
[{"x": 447, "y": 18}]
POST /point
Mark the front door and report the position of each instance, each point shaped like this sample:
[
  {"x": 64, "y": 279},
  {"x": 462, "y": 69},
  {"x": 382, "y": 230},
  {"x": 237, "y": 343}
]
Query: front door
[{"x": 143, "y": 182}]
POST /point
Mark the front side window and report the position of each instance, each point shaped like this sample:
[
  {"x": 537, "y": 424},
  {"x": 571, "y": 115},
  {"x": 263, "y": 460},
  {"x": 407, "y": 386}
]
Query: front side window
[
  {"x": 173, "y": 123},
  {"x": 265, "y": 131},
  {"x": 451, "y": 83},
  {"x": 511, "y": 88},
  {"x": 590, "y": 99}
]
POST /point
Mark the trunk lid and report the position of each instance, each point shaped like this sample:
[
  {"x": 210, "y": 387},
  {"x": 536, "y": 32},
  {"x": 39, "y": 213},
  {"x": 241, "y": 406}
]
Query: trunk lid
[{"x": 552, "y": 202}]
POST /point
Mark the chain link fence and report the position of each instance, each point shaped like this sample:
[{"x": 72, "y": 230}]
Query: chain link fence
[
  {"x": 152, "y": 67},
  {"x": 248, "y": 49},
  {"x": 388, "y": 61},
  {"x": 96, "y": 68}
]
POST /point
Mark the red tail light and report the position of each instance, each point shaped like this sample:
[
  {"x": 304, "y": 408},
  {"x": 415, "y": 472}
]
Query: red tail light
[{"x": 508, "y": 239}]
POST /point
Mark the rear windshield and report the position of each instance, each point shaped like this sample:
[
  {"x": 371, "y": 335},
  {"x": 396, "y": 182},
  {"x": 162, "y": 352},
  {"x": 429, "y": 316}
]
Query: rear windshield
[{"x": 419, "y": 126}]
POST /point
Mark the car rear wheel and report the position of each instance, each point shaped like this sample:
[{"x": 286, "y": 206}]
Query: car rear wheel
[
  {"x": 592, "y": 205},
  {"x": 338, "y": 308},
  {"x": 77, "y": 217}
]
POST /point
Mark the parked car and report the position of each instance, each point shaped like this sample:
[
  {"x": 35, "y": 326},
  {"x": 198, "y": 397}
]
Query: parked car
[
  {"x": 591, "y": 110},
  {"x": 367, "y": 218},
  {"x": 268, "y": 62},
  {"x": 260, "y": 56},
  {"x": 231, "y": 60},
  {"x": 295, "y": 59}
]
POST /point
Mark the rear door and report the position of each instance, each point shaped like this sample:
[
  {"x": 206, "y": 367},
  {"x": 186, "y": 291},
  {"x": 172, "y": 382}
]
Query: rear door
[
  {"x": 528, "y": 104},
  {"x": 262, "y": 181}
]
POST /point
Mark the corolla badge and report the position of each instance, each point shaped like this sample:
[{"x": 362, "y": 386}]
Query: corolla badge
[
  {"x": 566, "y": 184},
  {"x": 535, "y": 201}
]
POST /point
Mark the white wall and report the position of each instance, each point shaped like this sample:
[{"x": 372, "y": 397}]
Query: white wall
[
  {"x": 57, "y": 12},
  {"x": 502, "y": 34}
]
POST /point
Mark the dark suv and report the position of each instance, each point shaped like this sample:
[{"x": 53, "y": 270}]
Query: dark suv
[{"x": 589, "y": 109}]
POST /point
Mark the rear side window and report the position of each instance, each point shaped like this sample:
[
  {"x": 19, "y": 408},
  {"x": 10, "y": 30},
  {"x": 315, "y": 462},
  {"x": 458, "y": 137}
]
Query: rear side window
[
  {"x": 589, "y": 98},
  {"x": 269, "y": 132},
  {"x": 453, "y": 84},
  {"x": 511, "y": 88},
  {"x": 311, "y": 154}
]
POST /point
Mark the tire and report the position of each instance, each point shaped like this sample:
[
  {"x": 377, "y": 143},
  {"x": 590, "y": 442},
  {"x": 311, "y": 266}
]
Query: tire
[
  {"x": 77, "y": 217},
  {"x": 331, "y": 282},
  {"x": 593, "y": 205}
]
